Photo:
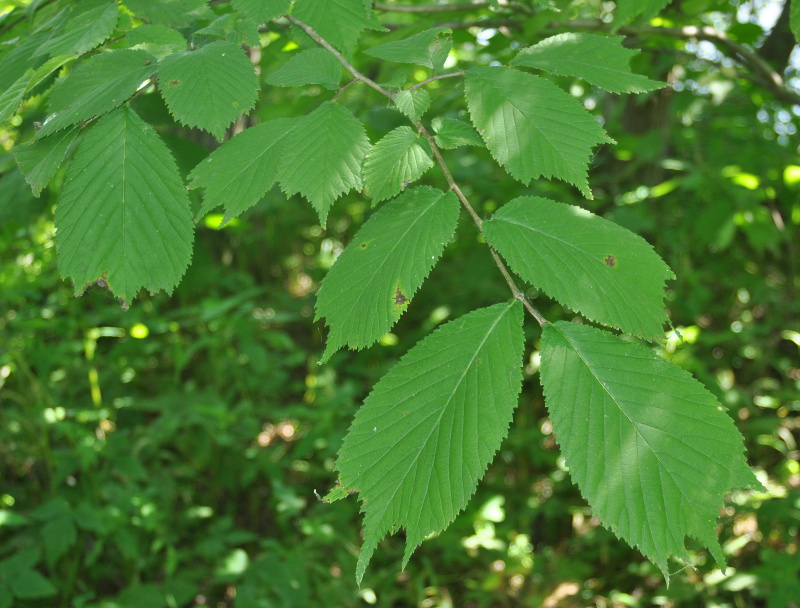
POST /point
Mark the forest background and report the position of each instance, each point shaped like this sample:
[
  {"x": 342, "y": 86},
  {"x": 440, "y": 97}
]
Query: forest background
[{"x": 170, "y": 455}]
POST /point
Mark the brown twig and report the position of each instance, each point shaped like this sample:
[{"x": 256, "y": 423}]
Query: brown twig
[{"x": 327, "y": 45}]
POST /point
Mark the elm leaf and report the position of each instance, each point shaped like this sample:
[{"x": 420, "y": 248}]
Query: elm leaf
[
  {"x": 587, "y": 263},
  {"x": 123, "y": 219},
  {"x": 429, "y": 429},
  {"x": 372, "y": 282},
  {"x": 651, "y": 450}
]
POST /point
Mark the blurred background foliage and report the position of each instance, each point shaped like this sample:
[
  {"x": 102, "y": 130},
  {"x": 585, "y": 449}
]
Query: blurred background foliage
[{"x": 170, "y": 455}]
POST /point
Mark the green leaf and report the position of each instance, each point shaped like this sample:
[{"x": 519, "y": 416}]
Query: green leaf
[
  {"x": 452, "y": 133},
  {"x": 429, "y": 48},
  {"x": 587, "y": 263},
  {"x": 98, "y": 86},
  {"x": 12, "y": 97},
  {"x": 794, "y": 20},
  {"x": 599, "y": 60},
  {"x": 628, "y": 9},
  {"x": 88, "y": 23},
  {"x": 40, "y": 159},
  {"x": 30, "y": 585},
  {"x": 374, "y": 279},
  {"x": 651, "y": 450},
  {"x": 233, "y": 28},
  {"x": 58, "y": 536},
  {"x": 159, "y": 40},
  {"x": 209, "y": 87},
  {"x": 46, "y": 69},
  {"x": 394, "y": 162},
  {"x": 241, "y": 171},
  {"x": 262, "y": 11},
  {"x": 413, "y": 103},
  {"x": 176, "y": 13},
  {"x": 323, "y": 156},
  {"x": 314, "y": 66},
  {"x": 19, "y": 60},
  {"x": 430, "y": 427},
  {"x": 123, "y": 218},
  {"x": 340, "y": 22},
  {"x": 532, "y": 127}
]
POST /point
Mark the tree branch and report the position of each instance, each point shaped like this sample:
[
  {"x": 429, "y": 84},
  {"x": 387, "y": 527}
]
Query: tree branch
[
  {"x": 439, "y": 77},
  {"x": 439, "y": 159},
  {"x": 327, "y": 45},
  {"x": 431, "y": 8}
]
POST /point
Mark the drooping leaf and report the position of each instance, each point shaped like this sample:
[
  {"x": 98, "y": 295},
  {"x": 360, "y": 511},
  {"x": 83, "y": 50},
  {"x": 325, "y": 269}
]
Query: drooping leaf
[
  {"x": 425, "y": 435},
  {"x": 158, "y": 40},
  {"x": 532, "y": 127},
  {"x": 314, "y": 66},
  {"x": 123, "y": 218},
  {"x": 262, "y": 11},
  {"x": 628, "y": 9},
  {"x": 374, "y": 279},
  {"x": 398, "y": 159},
  {"x": 175, "y": 13},
  {"x": 429, "y": 48},
  {"x": 453, "y": 133},
  {"x": 88, "y": 23},
  {"x": 599, "y": 60},
  {"x": 238, "y": 173},
  {"x": 340, "y": 22},
  {"x": 209, "y": 87},
  {"x": 652, "y": 451},
  {"x": 103, "y": 83},
  {"x": 587, "y": 263},
  {"x": 40, "y": 159},
  {"x": 413, "y": 103},
  {"x": 12, "y": 96},
  {"x": 323, "y": 156}
]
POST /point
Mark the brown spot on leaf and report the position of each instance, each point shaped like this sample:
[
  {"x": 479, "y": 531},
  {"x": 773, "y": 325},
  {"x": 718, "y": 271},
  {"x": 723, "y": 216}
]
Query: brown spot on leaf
[
  {"x": 174, "y": 83},
  {"x": 363, "y": 245},
  {"x": 610, "y": 260},
  {"x": 399, "y": 298}
]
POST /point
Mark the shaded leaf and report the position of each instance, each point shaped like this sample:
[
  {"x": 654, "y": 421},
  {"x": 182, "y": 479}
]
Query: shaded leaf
[
  {"x": 426, "y": 433},
  {"x": 599, "y": 60},
  {"x": 30, "y": 585},
  {"x": 314, "y": 66},
  {"x": 209, "y": 87},
  {"x": 413, "y": 103},
  {"x": 628, "y": 9},
  {"x": 241, "y": 171},
  {"x": 398, "y": 159},
  {"x": 323, "y": 156},
  {"x": 88, "y": 23},
  {"x": 429, "y": 48},
  {"x": 176, "y": 13},
  {"x": 159, "y": 40},
  {"x": 587, "y": 263},
  {"x": 340, "y": 22},
  {"x": 123, "y": 218},
  {"x": 452, "y": 133},
  {"x": 103, "y": 83},
  {"x": 374, "y": 279},
  {"x": 794, "y": 20},
  {"x": 40, "y": 159},
  {"x": 12, "y": 96},
  {"x": 262, "y": 11},
  {"x": 532, "y": 127},
  {"x": 652, "y": 451}
]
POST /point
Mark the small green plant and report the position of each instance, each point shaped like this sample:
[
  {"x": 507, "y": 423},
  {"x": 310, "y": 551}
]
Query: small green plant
[{"x": 651, "y": 450}]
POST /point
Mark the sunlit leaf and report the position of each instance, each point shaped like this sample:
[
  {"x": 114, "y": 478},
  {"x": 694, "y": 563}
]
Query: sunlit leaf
[
  {"x": 652, "y": 451},
  {"x": 397, "y": 160},
  {"x": 587, "y": 263},
  {"x": 314, "y": 66},
  {"x": 599, "y": 60},
  {"x": 377, "y": 275},
  {"x": 425, "y": 435},
  {"x": 532, "y": 127}
]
